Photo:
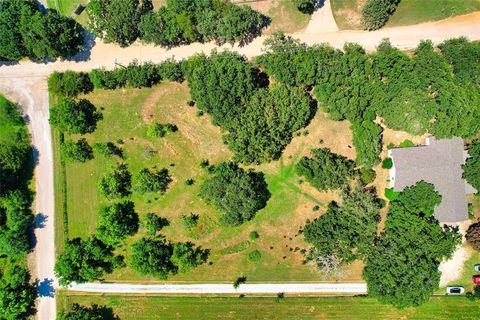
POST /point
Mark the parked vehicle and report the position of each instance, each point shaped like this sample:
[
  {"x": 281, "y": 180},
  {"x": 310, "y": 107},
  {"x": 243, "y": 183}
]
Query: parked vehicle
[
  {"x": 476, "y": 279},
  {"x": 455, "y": 290},
  {"x": 477, "y": 267}
]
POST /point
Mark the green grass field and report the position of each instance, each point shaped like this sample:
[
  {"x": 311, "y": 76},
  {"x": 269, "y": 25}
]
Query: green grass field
[
  {"x": 143, "y": 308},
  {"x": 126, "y": 114},
  {"x": 414, "y": 11},
  {"x": 286, "y": 17},
  {"x": 348, "y": 13},
  {"x": 66, "y": 7}
]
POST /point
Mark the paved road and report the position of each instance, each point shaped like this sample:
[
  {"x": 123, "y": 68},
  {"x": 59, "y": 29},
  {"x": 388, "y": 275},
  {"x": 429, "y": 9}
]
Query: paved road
[
  {"x": 25, "y": 83},
  {"x": 351, "y": 288},
  {"x": 32, "y": 96}
]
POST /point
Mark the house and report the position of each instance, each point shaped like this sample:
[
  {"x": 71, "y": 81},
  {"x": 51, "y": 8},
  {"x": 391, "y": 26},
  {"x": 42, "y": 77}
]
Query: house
[{"x": 438, "y": 162}]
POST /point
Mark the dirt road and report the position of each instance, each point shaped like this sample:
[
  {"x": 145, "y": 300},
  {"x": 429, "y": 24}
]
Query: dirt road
[{"x": 31, "y": 95}]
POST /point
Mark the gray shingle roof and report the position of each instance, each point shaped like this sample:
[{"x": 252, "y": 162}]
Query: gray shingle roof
[{"x": 440, "y": 163}]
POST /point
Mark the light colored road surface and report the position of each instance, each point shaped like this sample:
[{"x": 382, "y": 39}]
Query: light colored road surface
[
  {"x": 351, "y": 288},
  {"x": 322, "y": 20},
  {"x": 25, "y": 83},
  {"x": 32, "y": 97}
]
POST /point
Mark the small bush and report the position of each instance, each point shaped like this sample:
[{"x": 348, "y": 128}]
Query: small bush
[
  {"x": 387, "y": 163},
  {"x": 69, "y": 83},
  {"x": 190, "y": 221},
  {"x": 107, "y": 149},
  {"x": 473, "y": 236},
  {"x": 407, "y": 144},
  {"x": 305, "y": 6},
  {"x": 189, "y": 182},
  {"x": 171, "y": 70},
  {"x": 367, "y": 175},
  {"x": 79, "y": 151},
  {"x": 239, "y": 281},
  {"x": 158, "y": 130},
  {"x": 154, "y": 223},
  {"x": 253, "y": 235},
  {"x": 390, "y": 194},
  {"x": 316, "y": 208},
  {"x": 254, "y": 256},
  {"x": 375, "y": 13}
]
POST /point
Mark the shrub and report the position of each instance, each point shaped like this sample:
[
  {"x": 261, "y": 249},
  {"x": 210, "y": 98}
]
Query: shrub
[
  {"x": 141, "y": 75},
  {"x": 387, "y": 163},
  {"x": 407, "y": 144},
  {"x": 189, "y": 182},
  {"x": 116, "y": 182},
  {"x": 186, "y": 257},
  {"x": 239, "y": 281},
  {"x": 103, "y": 79},
  {"x": 473, "y": 236},
  {"x": 254, "y": 256},
  {"x": 79, "y": 151},
  {"x": 375, "y": 13},
  {"x": 390, "y": 194},
  {"x": 116, "y": 222},
  {"x": 158, "y": 130},
  {"x": 152, "y": 181},
  {"x": 154, "y": 223},
  {"x": 367, "y": 176},
  {"x": 152, "y": 257},
  {"x": 77, "y": 117},
  {"x": 69, "y": 83},
  {"x": 190, "y": 221},
  {"x": 471, "y": 169},
  {"x": 305, "y": 6},
  {"x": 107, "y": 149},
  {"x": 253, "y": 235},
  {"x": 171, "y": 70}
]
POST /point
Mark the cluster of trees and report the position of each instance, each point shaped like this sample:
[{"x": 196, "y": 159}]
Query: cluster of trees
[
  {"x": 345, "y": 232},
  {"x": 402, "y": 267},
  {"x": 179, "y": 22},
  {"x": 17, "y": 293},
  {"x": 433, "y": 90},
  {"x": 25, "y": 31},
  {"x": 326, "y": 170},
  {"x": 471, "y": 168},
  {"x": 94, "y": 312},
  {"x": 375, "y": 13},
  {"x": 236, "y": 193}
]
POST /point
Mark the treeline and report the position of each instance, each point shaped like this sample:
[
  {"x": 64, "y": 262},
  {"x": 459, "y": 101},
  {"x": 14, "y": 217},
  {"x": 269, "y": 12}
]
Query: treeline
[
  {"x": 25, "y": 31},
  {"x": 435, "y": 90},
  {"x": 179, "y": 22},
  {"x": 17, "y": 294}
]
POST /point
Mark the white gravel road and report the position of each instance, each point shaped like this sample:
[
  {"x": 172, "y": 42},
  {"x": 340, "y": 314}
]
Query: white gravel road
[{"x": 351, "y": 288}]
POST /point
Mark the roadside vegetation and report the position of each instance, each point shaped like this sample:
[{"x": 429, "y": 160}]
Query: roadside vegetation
[
  {"x": 17, "y": 292},
  {"x": 25, "y": 31}
]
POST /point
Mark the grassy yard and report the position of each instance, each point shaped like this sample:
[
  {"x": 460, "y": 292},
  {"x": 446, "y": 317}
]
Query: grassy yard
[
  {"x": 414, "y": 11},
  {"x": 348, "y": 13},
  {"x": 66, "y": 7},
  {"x": 143, "y": 308},
  {"x": 126, "y": 114}
]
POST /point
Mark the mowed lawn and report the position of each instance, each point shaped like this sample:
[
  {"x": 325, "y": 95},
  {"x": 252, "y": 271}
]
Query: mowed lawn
[
  {"x": 126, "y": 115},
  {"x": 67, "y": 7},
  {"x": 348, "y": 13},
  {"x": 143, "y": 308}
]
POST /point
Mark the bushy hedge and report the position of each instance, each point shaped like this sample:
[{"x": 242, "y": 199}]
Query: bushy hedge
[{"x": 375, "y": 13}]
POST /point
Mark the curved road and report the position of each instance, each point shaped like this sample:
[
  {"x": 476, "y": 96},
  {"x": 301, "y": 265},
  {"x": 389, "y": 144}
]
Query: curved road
[{"x": 25, "y": 83}]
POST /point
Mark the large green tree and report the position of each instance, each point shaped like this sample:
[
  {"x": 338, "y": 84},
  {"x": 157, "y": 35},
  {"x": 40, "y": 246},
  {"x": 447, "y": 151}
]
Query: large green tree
[
  {"x": 236, "y": 193},
  {"x": 471, "y": 169},
  {"x": 79, "y": 151},
  {"x": 186, "y": 257},
  {"x": 116, "y": 222},
  {"x": 17, "y": 293},
  {"x": 116, "y": 182},
  {"x": 152, "y": 181},
  {"x": 74, "y": 116},
  {"x": 152, "y": 257},
  {"x": 94, "y": 312}
]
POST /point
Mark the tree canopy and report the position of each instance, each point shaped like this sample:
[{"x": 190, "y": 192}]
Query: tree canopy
[
  {"x": 94, "y": 312},
  {"x": 152, "y": 181},
  {"x": 375, "y": 13},
  {"x": 79, "y": 151},
  {"x": 17, "y": 294},
  {"x": 326, "y": 170},
  {"x": 236, "y": 193},
  {"x": 116, "y": 222},
  {"x": 74, "y": 116},
  {"x": 116, "y": 182},
  {"x": 419, "y": 199},
  {"x": 84, "y": 261},
  {"x": 471, "y": 168},
  {"x": 402, "y": 268},
  {"x": 152, "y": 257}
]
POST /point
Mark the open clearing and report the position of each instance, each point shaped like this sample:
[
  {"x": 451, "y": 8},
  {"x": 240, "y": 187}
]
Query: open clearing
[
  {"x": 127, "y": 112},
  {"x": 135, "y": 307}
]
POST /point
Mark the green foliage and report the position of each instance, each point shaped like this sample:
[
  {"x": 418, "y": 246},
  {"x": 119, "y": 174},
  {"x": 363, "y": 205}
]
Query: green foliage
[
  {"x": 236, "y": 193},
  {"x": 116, "y": 222},
  {"x": 367, "y": 176},
  {"x": 471, "y": 169},
  {"x": 74, "y": 116},
  {"x": 27, "y": 32},
  {"x": 158, "y": 130},
  {"x": 254, "y": 256},
  {"x": 152, "y": 181},
  {"x": 152, "y": 257},
  {"x": 239, "y": 281},
  {"x": 346, "y": 230},
  {"x": 186, "y": 257},
  {"x": 17, "y": 294},
  {"x": 116, "y": 182},
  {"x": 475, "y": 295},
  {"x": 154, "y": 223},
  {"x": 140, "y": 75},
  {"x": 305, "y": 6},
  {"x": 375, "y": 13},
  {"x": 420, "y": 199},
  {"x": 406, "y": 144},
  {"x": 253, "y": 235},
  {"x": 189, "y": 221},
  {"x": 473, "y": 236},
  {"x": 95, "y": 312},
  {"x": 15, "y": 220},
  {"x": 463, "y": 55},
  {"x": 69, "y": 83},
  {"x": 107, "y": 149},
  {"x": 189, "y": 182},
  {"x": 267, "y": 124},
  {"x": 402, "y": 268},
  {"x": 367, "y": 139},
  {"x": 325, "y": 170},
  {"x": 387, "y": 163},
  {"x": 79, "y": 151},
  {"x": 171, "y": 70},
  {"x": 221, "y": 84},
  {"x": 84, "y": 261},
  {"x": 390, "y": 194}
]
